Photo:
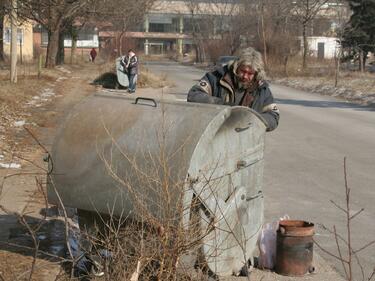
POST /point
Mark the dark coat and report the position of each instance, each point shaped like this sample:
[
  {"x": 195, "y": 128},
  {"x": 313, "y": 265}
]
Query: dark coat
[
  {"x": 130, "y": 64},
  {"x": 218, "y": 87}
]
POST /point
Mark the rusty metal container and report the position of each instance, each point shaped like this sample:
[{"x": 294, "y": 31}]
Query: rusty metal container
[
  {"x": 111, "y": 146},
  {"x": 294, "y": 250}
]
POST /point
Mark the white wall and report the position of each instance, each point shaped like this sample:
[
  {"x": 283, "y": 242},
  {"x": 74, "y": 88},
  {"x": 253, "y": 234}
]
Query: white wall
[
  {"x": 94, "y": 43},
  {"x": 330, "y": 46}
]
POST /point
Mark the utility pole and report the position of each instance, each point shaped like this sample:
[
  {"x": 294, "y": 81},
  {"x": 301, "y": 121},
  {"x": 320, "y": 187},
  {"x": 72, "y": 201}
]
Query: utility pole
[{"x": 13, "y": 43}]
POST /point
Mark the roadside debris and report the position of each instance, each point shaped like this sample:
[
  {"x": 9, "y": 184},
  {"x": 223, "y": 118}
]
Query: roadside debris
[
  {"x": 61, "y": 79},
  {"x": 19, "y": 123},
  {"x": 267, "y": 244},
  {"x": 62, "y": 69},
  {"x": 10, "y": 165}
]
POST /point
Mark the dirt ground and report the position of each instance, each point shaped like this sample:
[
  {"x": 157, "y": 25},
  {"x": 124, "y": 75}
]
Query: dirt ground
[{"x": 30, "y": 113}]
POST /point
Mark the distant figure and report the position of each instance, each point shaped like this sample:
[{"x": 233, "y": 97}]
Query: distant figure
[
  {"x": 93, "y": 54},
  {"x": 130, "y": 64}
]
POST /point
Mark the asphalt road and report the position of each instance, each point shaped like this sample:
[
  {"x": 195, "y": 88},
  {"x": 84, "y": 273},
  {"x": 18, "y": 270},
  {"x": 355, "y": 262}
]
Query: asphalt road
[{"x": 304, "y": 159}]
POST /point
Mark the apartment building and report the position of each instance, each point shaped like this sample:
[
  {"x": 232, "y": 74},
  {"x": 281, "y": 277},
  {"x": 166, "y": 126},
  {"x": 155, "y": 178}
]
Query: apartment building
[{"x": 170, "y": 25}]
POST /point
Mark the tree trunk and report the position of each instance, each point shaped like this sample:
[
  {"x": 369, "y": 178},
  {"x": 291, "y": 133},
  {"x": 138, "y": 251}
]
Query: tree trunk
[
  {"x": 13, "y": 50},
  {"x": 202, "y": 53},
  {"x": 60, "y": 51},
  {"x": 118, "y": 45},
  {"x": 361, "y": 68},
  {"x": 264, "y": 41},
  {"x": 364, "y": 60},
  {"x": 305, "y": 46},
  {"x": 74, "y": 48},
  {"x": 53, "y": 43},
  {"x": 196, "y": 52},
  {"x": 286, "y": 58},
  {"x": 121, "y": 43},
  {"x": 1, "y": 32},
  {"x": 337, "y": 67}
]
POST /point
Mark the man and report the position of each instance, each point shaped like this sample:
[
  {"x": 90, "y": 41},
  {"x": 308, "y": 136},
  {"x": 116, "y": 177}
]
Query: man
[
  {"x": 241, "y": 82},
  {"x": 130, "y": 64}
]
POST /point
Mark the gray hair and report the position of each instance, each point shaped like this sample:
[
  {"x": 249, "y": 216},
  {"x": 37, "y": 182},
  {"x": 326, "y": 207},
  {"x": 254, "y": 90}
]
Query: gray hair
[{"x": 250, "y": 57}]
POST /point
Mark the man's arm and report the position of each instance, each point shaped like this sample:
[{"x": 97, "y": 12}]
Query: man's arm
[
  {"x": 270, "y": 111},
  {"x": 202, "y": 92}
]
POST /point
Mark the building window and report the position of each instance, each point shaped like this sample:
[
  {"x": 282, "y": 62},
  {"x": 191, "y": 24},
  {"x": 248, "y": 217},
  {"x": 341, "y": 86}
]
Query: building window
[
  {"x": 44, "y": 37},
  {"x": 85, "y": 35},
  {"x": 8, "y": 35}
]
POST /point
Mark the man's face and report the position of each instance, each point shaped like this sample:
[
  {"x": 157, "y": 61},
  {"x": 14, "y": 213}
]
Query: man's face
[{"x": 245, "y": 74}]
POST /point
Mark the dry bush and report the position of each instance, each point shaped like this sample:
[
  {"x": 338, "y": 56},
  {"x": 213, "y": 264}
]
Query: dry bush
[
  {"x": 317, "y": 68},
  {"x": 346, "y": 253},
  {"x": 149, "y": 79},
  {"x": 216, "y": 49},
  {"x": 148, "y": 245}
]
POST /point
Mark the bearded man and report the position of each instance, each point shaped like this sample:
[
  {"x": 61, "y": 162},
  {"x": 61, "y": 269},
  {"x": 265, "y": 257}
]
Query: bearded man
[{"x": 240, "y": 83}]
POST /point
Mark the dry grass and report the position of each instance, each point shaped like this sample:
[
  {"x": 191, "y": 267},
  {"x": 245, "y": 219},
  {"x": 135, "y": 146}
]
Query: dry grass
[
  {"x": 14, "y": 98},
  {"x": 319, "y": 77},
  {"x": 15, "y": 266},
  {"x": 25, "y": 88},
  {"x": 149, "y": 79}
]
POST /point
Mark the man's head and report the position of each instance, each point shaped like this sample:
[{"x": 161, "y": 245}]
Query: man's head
[{"x": 248, "y": 67}]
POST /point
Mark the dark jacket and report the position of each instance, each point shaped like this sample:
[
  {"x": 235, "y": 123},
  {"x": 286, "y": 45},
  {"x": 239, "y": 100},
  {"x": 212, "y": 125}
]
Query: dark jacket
[
  {"x": 218, "y": 87},
  {"x": 130, "y": 64}
]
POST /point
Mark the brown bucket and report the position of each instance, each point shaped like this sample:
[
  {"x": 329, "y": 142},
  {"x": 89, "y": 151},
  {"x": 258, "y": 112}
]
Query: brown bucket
[{"x": 294, "y": 252}]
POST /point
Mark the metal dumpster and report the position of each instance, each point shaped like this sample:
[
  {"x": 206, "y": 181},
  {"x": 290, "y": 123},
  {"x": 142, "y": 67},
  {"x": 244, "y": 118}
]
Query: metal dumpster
[{"x": 113, "y": 150}]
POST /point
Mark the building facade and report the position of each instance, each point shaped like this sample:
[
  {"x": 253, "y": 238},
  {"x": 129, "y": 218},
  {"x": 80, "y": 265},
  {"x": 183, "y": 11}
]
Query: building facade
[{"x": 24, "y": 40}]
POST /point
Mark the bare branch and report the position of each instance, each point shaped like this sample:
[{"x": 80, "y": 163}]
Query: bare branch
[
  {"x": 338, "y": 206},
  {"x": 328, "y": 252},
  {"x": 356, "y": 214}
]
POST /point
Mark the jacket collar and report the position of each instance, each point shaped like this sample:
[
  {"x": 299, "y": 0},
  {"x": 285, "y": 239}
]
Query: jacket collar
[{"x": 227, "y": 82}]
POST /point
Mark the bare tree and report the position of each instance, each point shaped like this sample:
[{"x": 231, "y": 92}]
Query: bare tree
[
  {"x": 216, "y": 27},
  {"x": 51, "y": 15},
  {"x": 196, "y": 32},
  {"x": 13, "y": 52},
  {"x": 3, "y": 12},
  {"x": 228, "y": 23},
  {"x": 274, "y": 29},
  {"x": 305, "y": 12},
  {"x": 346, "y": 253},
  {"x": 341, "y": 15},
  {"x": 124, "y": 16}
]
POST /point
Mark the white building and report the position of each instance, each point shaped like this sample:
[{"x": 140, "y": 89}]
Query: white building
[{"x": 322, "y": 47}]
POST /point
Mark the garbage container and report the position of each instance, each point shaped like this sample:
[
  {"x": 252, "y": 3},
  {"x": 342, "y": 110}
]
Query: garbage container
[{"x": 112, "y": 147}]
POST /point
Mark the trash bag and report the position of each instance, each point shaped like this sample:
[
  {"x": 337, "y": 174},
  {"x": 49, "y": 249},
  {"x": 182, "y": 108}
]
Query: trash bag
[{"x": 267, "y": 244}]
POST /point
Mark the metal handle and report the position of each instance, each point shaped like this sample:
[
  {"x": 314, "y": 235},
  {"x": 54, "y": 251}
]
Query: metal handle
[
  {"x": 249, "y": 198},
  {"x": 238, "y": 129},
  {"x": 146, "y": 99}
]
